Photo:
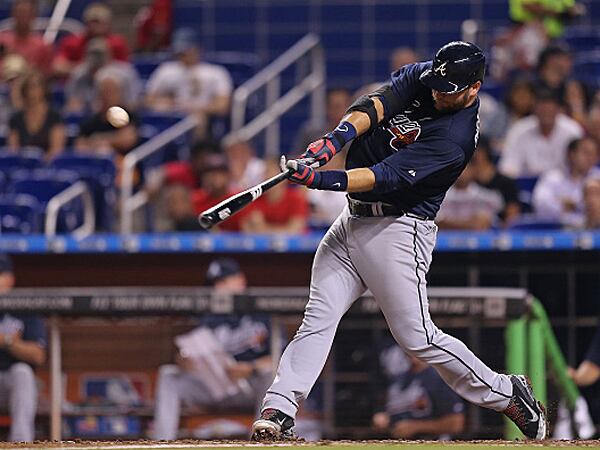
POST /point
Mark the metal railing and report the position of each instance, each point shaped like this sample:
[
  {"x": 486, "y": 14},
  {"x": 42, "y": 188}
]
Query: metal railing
[
  {"x": 312, "y": 84},
  {"x": 42, "y": 24},
  {"x": 131, "y": 202},
  {"x": 269, "y": 78},
  {"x": 79, "y": 189},
  {"x": 56, "y": 20}
]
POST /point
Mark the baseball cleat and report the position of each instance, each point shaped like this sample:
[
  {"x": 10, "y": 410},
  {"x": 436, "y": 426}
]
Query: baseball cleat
[
  {"x": 525, "y": 411},
  {"x": 273, "y": 425}
]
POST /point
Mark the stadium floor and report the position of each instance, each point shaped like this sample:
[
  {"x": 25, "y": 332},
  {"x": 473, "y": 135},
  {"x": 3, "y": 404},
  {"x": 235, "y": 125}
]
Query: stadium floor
[{"x": 322, "y": 445}]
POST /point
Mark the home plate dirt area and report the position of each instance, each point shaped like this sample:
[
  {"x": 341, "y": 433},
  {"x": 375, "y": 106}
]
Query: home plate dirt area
[{"x": 322, "y": 445}]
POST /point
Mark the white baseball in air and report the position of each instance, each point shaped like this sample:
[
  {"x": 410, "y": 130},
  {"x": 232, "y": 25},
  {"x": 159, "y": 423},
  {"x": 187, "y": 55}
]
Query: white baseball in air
[{"x": 117, "y": 116}]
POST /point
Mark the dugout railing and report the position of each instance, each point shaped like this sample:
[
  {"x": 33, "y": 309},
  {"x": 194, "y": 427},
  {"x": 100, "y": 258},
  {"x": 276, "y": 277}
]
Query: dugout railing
[{"x": 529, "y": 340}]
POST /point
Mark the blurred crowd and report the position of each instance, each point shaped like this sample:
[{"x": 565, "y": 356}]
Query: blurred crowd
[{"x": 536, "y": 164}]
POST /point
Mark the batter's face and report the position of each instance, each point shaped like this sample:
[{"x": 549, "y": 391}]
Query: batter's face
[{"x": 454, "y": 102}]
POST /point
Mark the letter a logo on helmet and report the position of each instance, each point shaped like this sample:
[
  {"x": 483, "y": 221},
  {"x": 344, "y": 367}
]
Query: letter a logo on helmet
[
  {"x": 441, "y": 69},
  {"x": 456, "y": 66}
]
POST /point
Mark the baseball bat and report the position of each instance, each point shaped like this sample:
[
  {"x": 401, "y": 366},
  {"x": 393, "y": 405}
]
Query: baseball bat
[{"x": 233, "y": 204}]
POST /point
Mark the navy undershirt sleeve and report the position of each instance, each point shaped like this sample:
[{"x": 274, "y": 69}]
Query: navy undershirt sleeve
[{"x": 593, "y": 353}]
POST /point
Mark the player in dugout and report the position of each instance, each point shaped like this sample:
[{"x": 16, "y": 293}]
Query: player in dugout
[
  {"x": 411, "y": 139},
  {"x": 248, "y": 367}
]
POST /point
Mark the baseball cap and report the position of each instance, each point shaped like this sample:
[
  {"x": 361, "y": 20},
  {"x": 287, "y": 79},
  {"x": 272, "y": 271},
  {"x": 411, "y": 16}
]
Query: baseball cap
[
  {"x": 221, "y": 268},
  {"x": 214, "y": 161},
  {"x": 183, "y": 40},
  {"x": 97, "y": 11}
]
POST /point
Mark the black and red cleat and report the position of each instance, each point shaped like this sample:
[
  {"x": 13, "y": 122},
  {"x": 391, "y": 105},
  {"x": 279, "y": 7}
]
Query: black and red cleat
[
  {"x": 525, "y": 411},
  {"x": 273, "y": 425}
]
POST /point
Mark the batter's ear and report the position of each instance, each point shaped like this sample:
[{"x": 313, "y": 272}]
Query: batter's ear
[{"x": 476, "y": 86}]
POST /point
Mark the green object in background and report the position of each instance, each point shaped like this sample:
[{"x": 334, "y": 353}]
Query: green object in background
[
  {"x": 530, "y": 345},
  {"x": 515, "y": 337},
  {"x": 537, "y": 359},
  {"x": 554, "y": 25},
  {"x": 556, "y": 360}
]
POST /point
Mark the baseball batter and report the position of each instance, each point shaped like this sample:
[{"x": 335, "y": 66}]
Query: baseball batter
[{"x": 411, "y": 140}]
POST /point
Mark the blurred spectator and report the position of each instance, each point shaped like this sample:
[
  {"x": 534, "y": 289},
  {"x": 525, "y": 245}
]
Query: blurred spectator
[
  {"x": 189, "y": 84},
  {"x": 487, "y": 176},
  {"x": 22, "y": 347},
  {"x": 97, "y": 135},
  {"x": 82, "y": 87},
  {"x": 326, "y": 206},
  {"x": 184, "y": 204},
  {"x": 469, "y": 206},
  {"x": 245, "y": 167},
  {"x": 591, "y": 198},
  {"x": 553, "y": 73},
  {"x": 418, "y": 404},
  {"x": 554, "y": 15},
  {"x": 538, "y": 143},
  {"x": 588, "y": 371},
  {"x": 153, "y": 25},
  {"x": 338, "y": 100},
  {"x": 558, "y": 195},
  {"x": 170, "y": 186},
  {"x": 245, "y": 341},
  {"x": 493, "y": 118},
  {"x": 37, "y": 124},
  {"x": 519, "y": 99},
  {"x": 72, "y": 49},
  {"x": 593, "y": 121},
  {"x": 22, "y": 40},
  {"x": 282, "y": 209},
  {"x": 402, "y": 56}
]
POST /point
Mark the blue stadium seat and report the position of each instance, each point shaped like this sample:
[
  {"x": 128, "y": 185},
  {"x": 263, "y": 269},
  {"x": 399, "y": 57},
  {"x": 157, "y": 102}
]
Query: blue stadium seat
[
  {"x": 25, "y": 159},
  {"x": 19, "y": 213},
  {"x": 526, "y": 185},
  {"x": 530, "y": 222},
  {"x": 587, "y": 68},
  {"x": 582, "y": 38},
  {"x": 43, "y": 184},
  {"x": 146, "y": 64},
  {"x": 99, "y": 173}
]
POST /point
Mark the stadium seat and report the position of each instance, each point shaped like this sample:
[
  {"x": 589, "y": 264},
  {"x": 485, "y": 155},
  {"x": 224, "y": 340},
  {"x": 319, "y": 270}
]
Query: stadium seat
[
  {"x": 530, "y": 222},
  {"x": 587, "y": 68},
  {"x": 43, "y": 184},
  {"x": 99, "y": 173},
  {"x": 28, "y": 158},
  {"x": 526, "y": 185},
  {"x": 582, "y": 38},
  {"x": 19, "y": 213}
]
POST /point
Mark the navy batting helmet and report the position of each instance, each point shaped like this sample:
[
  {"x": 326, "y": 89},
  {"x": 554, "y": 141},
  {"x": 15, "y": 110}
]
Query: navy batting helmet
[{"x": 456, "y": 66}]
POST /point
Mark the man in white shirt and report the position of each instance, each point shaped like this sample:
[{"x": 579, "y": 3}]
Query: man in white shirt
[
  {"x": 245, "y": 167},
  {"x": 188, "y": 84},
  {"x": 469, "y": 206},
  {"x": 537, "y": 144},
  {"x": 558, "y": 195}
]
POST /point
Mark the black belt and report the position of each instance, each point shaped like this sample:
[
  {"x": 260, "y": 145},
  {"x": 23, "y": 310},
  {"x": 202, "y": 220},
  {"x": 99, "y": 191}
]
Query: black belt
[{"x": 379, "y": 209}]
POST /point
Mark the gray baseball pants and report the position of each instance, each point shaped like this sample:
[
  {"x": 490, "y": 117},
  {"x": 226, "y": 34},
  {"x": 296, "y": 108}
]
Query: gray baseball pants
[
  {"x": 18, "y": 394},
  {"x": 175, "y": 387},
  {"x": 390, "y": 256}
]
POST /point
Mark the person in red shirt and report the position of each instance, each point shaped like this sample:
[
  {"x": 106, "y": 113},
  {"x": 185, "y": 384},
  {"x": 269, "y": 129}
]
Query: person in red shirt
[
  {"x": 154, "y": 24},
  {"x": 184, "y": 203},
  {"x": 282, "y": 209},
  {"x": 71, "y": 51},
  {"x": 21, "y": 39},
  {"x": 215, "y": 188}
]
